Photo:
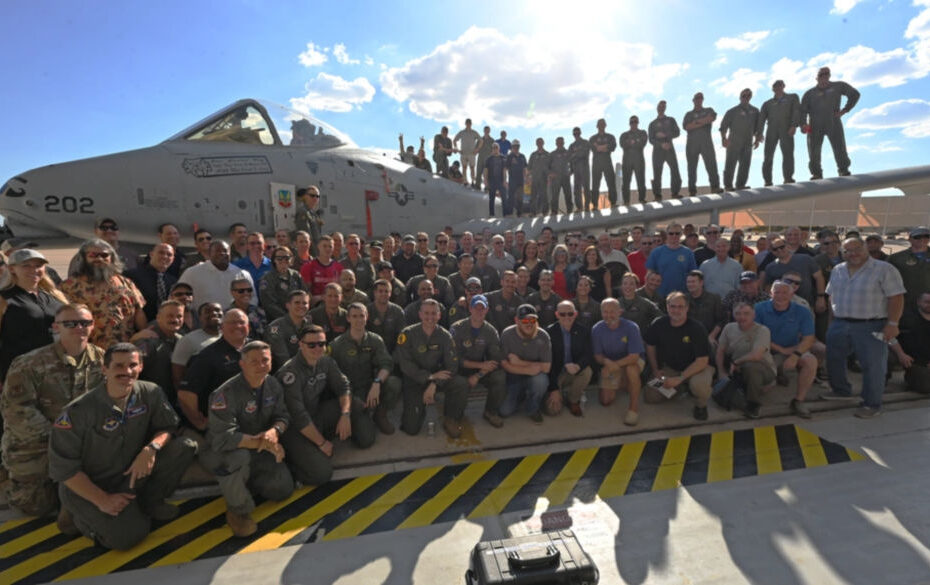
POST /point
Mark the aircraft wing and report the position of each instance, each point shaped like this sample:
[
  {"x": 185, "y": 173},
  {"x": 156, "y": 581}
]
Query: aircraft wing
[{"x": 913, "y": 181}]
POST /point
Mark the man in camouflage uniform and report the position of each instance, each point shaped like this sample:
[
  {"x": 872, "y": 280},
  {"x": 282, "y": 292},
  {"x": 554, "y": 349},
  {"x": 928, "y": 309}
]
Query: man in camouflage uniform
[
  {"x": 479, "y": 350},
  {"x": 38, "y": 385},
  {"x": 112, "y": 454},
  {"x": 322, "y": 406},
  {"x": 247, "y": 418},
  {"x": 427, "y": 358},
  {"x": 282, "y": 333},
  {"x": 364, "y": 358}
]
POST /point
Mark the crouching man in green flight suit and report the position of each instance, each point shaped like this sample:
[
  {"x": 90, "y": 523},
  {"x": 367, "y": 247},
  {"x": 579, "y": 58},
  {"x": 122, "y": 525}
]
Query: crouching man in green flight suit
[
  {"x": 246, "y": 420},
  {"x": 112, "y": 454}
]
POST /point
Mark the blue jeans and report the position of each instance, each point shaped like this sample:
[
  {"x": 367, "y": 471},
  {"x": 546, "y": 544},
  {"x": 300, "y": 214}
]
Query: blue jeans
[
  {"x": 533, "y": 387},
  {"x": 847, "y": 337}
]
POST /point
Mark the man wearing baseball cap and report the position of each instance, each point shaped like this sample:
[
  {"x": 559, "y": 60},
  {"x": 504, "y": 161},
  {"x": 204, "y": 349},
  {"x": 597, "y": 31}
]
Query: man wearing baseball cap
[
  {"x": 527, "y": 359},
  {"x": 479, "y": 351}
]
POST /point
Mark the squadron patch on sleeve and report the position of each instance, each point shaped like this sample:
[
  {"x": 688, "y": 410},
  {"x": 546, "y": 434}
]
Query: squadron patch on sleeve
[
  {"x": 402, "y": 339},
  {"x": 63, "y": 421},
  {"x": 288, "y": 378},
  {"x": 218, "y": 402}
]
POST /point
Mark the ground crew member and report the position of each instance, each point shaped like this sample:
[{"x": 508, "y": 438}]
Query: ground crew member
[
  {"x": 822, "y": 116},
  {"x": 247, "y": 418},
  {"x": 321, "y": 403},
  {"x": 662, "y": 131},
  {"x": 38, "y": 385},
  {"x": 579, "y": 151},
  {"x": 737, "y": 131},
  {"x": 560, "y": 176},
  {"x": 479, "y": 350},
  {"x": 602, "y": 144},
  {"x": 783, "y": 114},
  {"x": 633, "y": 142},
  {"x": 697, "y": 123},
  {"x": 539, "y": 174},
  {"x": 483, "y": 151},
  {"x": 515, "y": 163},
  {"x": 282, "y": 333},
  {"x": 112, "y": 454},
  {"x": 307, "y": 216},
  {"x": 364, "y": 358},
  {"x": 426, "y": 355}
]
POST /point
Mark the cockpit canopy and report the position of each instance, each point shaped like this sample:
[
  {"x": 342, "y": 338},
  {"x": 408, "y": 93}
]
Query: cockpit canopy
[{"x": 259, "y": 122}]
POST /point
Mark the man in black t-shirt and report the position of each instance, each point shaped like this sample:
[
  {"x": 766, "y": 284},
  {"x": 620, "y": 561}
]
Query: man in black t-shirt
[{"x": 679, "y": 355}]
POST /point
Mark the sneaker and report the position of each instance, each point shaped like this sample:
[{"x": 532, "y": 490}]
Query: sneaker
[
  {"x": 65, "y": 523},
  {"x": 752, "y": 410},
  {"x": 800, "y": 409},
  {"x": 381, "y": 421},
  {"x": 452, "y": 428},
  {"x": 631, "y": 418},
  {"x": 836, "y": 396},
  {"x": 241, "y": 525},
  {"x": 537, "y": 417},
  {"x": 700, "y": 412},
  {"x": 495, "y": 420},
  {"x": 164, "y": 512},
  {"x": 868, "y": 411},
  {"x": 575, "y": 408}
]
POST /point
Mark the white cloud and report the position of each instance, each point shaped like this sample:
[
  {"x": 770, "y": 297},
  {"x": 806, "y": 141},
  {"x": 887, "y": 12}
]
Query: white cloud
[
  {"x": 719, "y": 61},
  {"x": 747, "y": 41},
  {"x": 369, "y": 60},
  {"x": 525, "y": 81},
  {"x": 313, "y": 56},
  {"x": 866, "y": 134},
  {"x": 334, "y": 94},
  {"x": 843, "y": 6},
  {"x": 911, "y": 115},
  {"x": 885, "y": 146},
  {"x": 342, "y": 56},
  {"x": 741, "y": 78}
]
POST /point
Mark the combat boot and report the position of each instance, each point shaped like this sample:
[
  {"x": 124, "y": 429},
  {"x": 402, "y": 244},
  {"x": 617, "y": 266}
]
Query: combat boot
[{"x": 381, "y": 421}]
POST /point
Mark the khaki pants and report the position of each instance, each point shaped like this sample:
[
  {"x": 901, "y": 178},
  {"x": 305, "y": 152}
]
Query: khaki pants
[
  {"x": 699, "y": 384},
  {"x": 574, "y": 385}
]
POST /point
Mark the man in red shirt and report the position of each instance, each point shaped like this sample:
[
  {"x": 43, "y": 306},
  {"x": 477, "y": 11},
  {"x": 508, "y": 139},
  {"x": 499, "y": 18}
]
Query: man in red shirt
[{"x": 321, "y": 271}]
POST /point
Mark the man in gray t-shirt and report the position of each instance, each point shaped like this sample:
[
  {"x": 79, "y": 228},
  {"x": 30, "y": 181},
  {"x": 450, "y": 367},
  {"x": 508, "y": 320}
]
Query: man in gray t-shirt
[{"x": 527, "y": 353}]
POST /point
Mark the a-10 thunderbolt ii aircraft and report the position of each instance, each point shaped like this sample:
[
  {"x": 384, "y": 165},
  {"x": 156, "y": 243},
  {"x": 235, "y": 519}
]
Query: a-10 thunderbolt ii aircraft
[{"x": 245, "y": 162}]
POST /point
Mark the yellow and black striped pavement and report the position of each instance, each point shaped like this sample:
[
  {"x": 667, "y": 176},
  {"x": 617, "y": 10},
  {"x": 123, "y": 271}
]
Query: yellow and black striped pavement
[{"x": 33, "y": 551}]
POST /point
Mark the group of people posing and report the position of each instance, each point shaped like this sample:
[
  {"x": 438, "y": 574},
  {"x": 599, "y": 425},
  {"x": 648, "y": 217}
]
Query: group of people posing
[{"x": 535, "y": 185}]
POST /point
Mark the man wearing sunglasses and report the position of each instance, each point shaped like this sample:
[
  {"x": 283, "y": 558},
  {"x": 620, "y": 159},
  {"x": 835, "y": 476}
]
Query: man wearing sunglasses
[
  {"x": 787, "y": 261},
  {"x": 821, "y": 116},
  {"x": 108, "y": 230},
  {"x": 202, "y": 240},
  {"x": 570, "y": 372},
  {"x": 38, "y": 385},
  {"x": 914, "y": 266},
  {"x": 527, "y": 352},
  {"x": 308, "y": 217},
  {"x": 479, "y": 349},
  {"x": 243, "y": 293}
]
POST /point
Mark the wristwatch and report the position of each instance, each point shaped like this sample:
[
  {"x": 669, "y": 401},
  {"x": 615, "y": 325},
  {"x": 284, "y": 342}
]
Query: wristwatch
[{"x": 155, "y": 446}]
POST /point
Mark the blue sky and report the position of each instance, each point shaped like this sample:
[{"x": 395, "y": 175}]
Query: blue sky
[{"x": 96, "y": 77}]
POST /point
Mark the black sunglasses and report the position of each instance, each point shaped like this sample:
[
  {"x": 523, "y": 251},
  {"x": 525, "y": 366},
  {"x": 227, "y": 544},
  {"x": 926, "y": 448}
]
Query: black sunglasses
[
  {"x": 73, "y": 323},
  {"x": 313, "y": 344}
]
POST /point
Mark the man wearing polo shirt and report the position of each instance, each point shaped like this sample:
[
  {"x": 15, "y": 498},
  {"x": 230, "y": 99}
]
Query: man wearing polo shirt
[
  {"x": 527, "y": 353},
  {"x": 618, "y": 349},
  {"x": 792, "y": 332},
  {"x": 672, "y": 261},
  {"x": 867, "y": 298}
]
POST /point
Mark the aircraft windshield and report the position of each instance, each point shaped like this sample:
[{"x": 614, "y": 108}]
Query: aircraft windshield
[{"x": 267, "y": 123}]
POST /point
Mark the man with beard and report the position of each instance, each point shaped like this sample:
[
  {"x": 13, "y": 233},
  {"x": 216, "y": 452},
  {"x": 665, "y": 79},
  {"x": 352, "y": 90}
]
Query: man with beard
[{"x": 113, "y": 299}]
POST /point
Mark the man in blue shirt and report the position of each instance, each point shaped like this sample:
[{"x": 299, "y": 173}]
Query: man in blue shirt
[
  {"x": 255, "y": 262},
  {"x": 673, "y": 261},
  {"x": 618, "y": 349},
  {"x": 792, "y": 328}
]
